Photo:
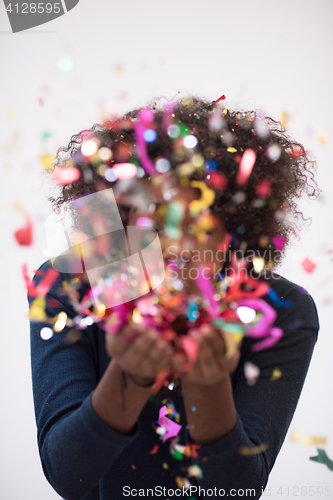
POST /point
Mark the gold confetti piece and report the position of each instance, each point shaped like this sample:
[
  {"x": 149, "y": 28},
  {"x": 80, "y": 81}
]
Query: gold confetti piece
[
  {"x": 60, "y": 322},
  {"x": 206, "y": 200},
  {"x": 232, "y": 150},
  {"x": 37, "y": 310},
  {"x": 225, "y": 111},
  {"x": 284, "y": 119},
  {"x": 231, "y": 342},
  {"x": 245, "y": 450},
  {"x": 276, "y": 374},
  {"x": 306, "y": 440},
  {"x": 165, "y": 465},
  {"x": 323, "y": 137},
  {"x": 47, "y": 161},
  {"x": 258, "y": 264},
  {"x": 194, "y": 471},
  {"x": 17, "y": 207}
]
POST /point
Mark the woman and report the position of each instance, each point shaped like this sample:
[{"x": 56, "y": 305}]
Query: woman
[{"x": 235, "y": 178}]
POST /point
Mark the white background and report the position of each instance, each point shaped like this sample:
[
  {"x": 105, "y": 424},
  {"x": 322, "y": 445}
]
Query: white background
[{"x": 271, "y": 55}]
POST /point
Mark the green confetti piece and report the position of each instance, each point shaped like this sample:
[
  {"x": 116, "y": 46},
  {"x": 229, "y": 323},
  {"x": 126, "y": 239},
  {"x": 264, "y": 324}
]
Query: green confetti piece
[
  {"x": 323, "y": 458},
  {"x": 177, "y": 455}
]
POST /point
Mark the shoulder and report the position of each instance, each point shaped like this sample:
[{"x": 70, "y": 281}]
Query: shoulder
[
  {"x": 294, "y": 305},
  {"x": 53, "y": 285}
]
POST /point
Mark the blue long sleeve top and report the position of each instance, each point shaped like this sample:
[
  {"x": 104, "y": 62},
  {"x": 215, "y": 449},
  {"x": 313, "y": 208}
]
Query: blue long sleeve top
[{"x": 83, "y": 458}]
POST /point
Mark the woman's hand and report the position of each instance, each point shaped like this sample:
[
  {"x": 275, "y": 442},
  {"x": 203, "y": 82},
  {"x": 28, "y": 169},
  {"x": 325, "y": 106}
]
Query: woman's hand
[
  {"x": 212, "y": 365},
  {"x": 139, "y": 351}
]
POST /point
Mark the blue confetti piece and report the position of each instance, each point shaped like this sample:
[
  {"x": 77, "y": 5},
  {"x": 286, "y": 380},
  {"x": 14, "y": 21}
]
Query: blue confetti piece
[{"x": 277, "y": 301}]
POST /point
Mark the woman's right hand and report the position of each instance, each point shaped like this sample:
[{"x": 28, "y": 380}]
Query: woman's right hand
[{"x": 139, "y": 351}]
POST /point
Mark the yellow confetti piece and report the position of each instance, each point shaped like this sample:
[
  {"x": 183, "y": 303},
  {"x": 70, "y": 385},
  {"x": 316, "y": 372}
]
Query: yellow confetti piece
[
  {"x": 47, "y": 161},
  {"x": 231, "y": 342},
  {"x": 194, "y": 471},
  {"x": 306, "y": 439},
  {"x": 10, "y": 113},
  {"x": 165, "y": 465},
  {"x": 232, "y": 150},
  {"x": 246, "y": 451},
  {"x": 225, "y": 111},
  {"x": 60, "y": 322},
  {"x": 37, "y": 310},
  {"x": 284, "y": 119},
  {"x": 206, "y": 200},
  {"x": 276, "y": 374},
  {"x": 180, "y": 481},
  {"x": 258, "y": 264},
  {"x": 323, "y": 137}
]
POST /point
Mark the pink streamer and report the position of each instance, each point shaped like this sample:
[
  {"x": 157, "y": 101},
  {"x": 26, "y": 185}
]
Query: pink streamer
[
  {"x": 207, "y": 291},
  {"x": 171, "y": 426}
]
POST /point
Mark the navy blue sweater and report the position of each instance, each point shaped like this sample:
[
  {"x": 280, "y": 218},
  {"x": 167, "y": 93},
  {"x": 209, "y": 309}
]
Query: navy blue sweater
[{"x": 83, "y": 458}]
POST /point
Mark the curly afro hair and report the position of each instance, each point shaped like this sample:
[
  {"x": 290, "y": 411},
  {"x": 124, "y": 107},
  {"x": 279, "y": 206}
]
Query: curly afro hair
[{"x": 256, "y": 213}]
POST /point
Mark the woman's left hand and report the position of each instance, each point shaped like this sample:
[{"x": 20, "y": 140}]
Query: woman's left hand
[{"x": 212, "y": 366}]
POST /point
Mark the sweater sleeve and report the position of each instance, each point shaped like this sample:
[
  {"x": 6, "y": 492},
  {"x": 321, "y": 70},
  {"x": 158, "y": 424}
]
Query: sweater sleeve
[
  {"x": 76, "y": 447},
  {"x": 264, "y": 410}
]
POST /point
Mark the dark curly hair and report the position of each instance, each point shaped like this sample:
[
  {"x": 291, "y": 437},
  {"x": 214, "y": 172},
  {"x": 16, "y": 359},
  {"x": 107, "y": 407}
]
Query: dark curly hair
[{"x": 252, "y": 218}]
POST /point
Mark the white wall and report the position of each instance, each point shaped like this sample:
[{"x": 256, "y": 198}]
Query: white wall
[{"x": 274, "y": 55}]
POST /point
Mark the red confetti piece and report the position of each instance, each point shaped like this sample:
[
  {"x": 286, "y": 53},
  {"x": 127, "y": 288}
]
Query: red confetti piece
[
  {"x": 217, "y": 180},
  {"x": 245, "y": 168},
  {"x": 154, "y": 450},
  {"x": 224, "y": 245},
  {"x": 263, "y": 189},
  {"x": 220, "y": 98},
  {"x": 65, "y": 175},
  {"x": 45, "y": 284},
  {"x": 23, "y": 235},
  {"x": 308, "y": 265}
]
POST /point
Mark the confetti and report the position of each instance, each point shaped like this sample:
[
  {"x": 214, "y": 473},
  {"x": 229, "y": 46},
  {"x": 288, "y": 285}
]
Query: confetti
[
  {"x": 323, "y": 458},
  {"x": 276, "y": 374},
  {"x": 172, "y": 429},
  {"x": 124, "y": 170},
  {"x": 222, "y": 98},
  {"x": 65, "y": 175},
  {"x": 251, "y": 372},
  {"x": 47, "y": 161},
  {"x": 246, "y": 451},
  {"x": 194, "y": 471},
  {"x": 154, "y": 450},
  {"x": 306, "y": 439},
  {"x": 245, "y": 167},
  {"x": 24, "y": 236},
  {"x": 308, "y": 265}
]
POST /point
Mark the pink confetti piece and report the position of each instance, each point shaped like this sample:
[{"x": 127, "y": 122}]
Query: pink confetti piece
[
  {"x": 23, "y": 235},
  {"x": 207, "y": 290},
  {"x": 263, "y": 189},
  {"x": 172, "y": 429},
  {"x": 191, "y": 348},
  {"x": 65, "y": 175},
  {"x": 308, "y": 265},
  {"x": 144, "y": 120},
  {"x": 245, "y": 167},
  {"x": 263, "y": 326},
  {"x": 279, "y": 241}
]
